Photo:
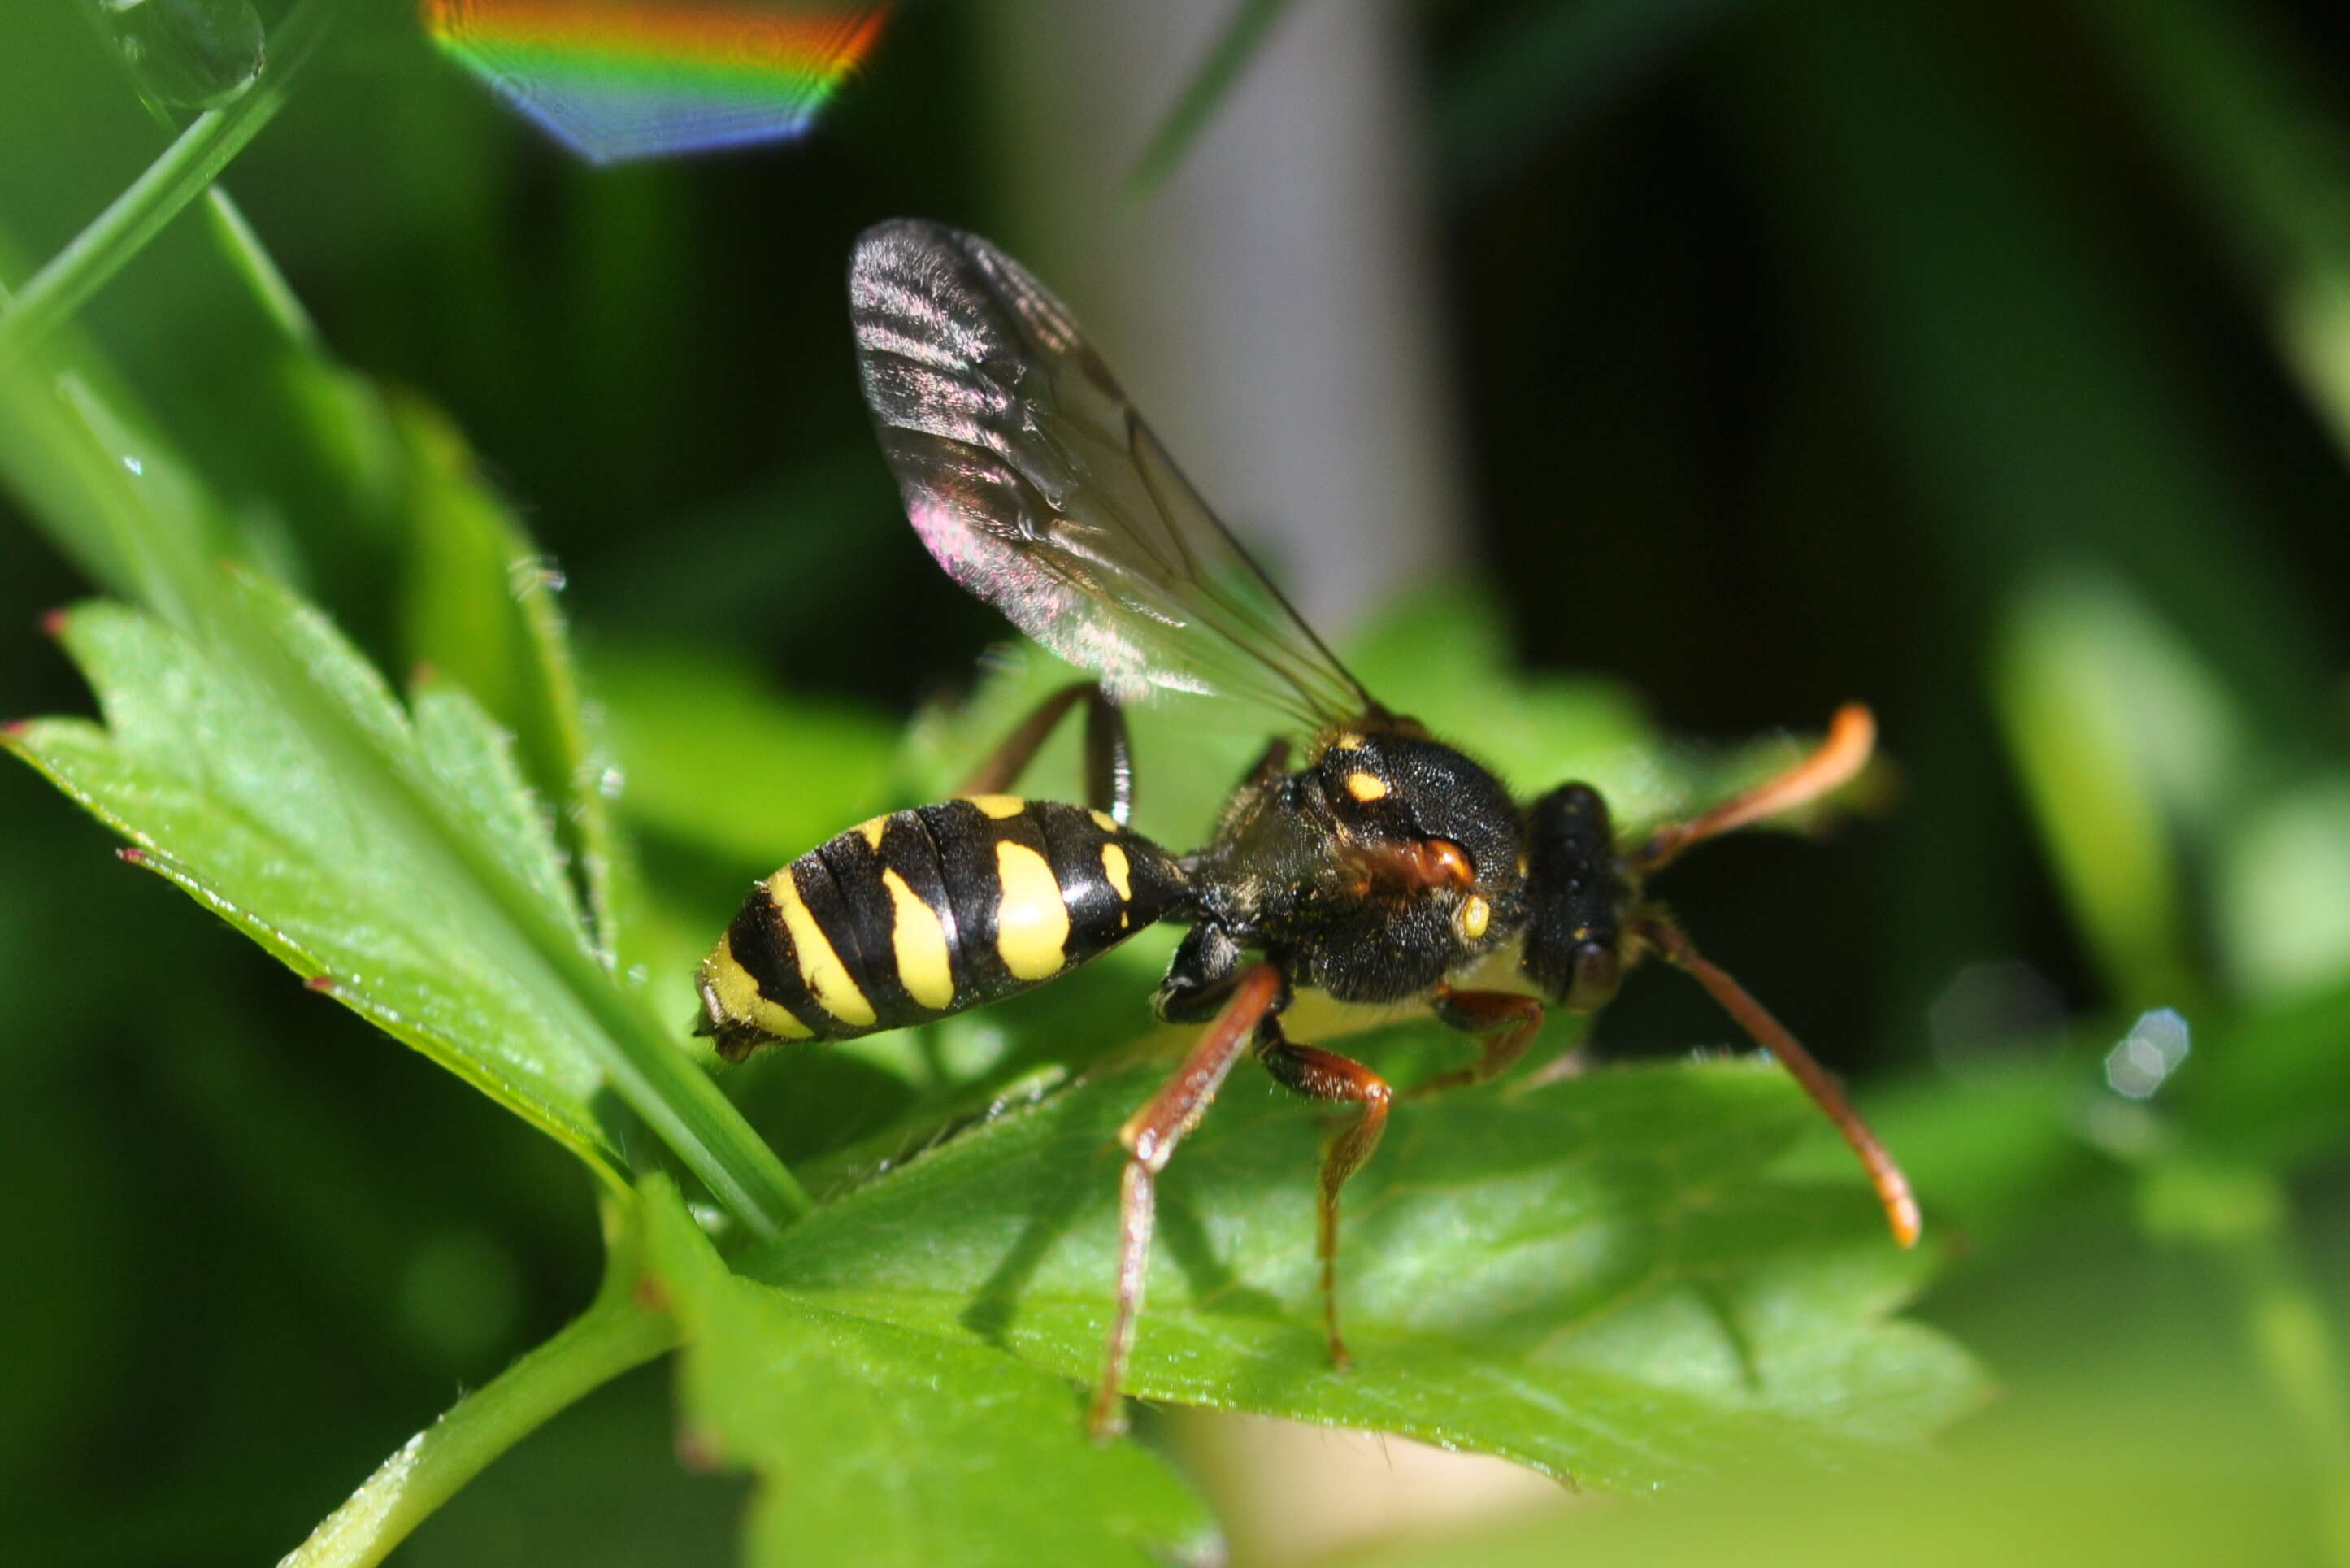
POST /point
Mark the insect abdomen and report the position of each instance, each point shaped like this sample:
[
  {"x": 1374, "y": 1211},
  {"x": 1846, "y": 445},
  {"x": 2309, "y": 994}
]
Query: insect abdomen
[{"x": 922, "y": 913}]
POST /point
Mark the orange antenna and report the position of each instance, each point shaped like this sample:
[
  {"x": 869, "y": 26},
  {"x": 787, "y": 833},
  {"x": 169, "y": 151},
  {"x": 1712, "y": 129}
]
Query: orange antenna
[{"x": 1851, "y": 738}]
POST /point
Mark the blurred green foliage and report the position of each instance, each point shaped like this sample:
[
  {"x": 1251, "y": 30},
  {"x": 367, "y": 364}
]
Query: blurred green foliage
[{"x": 1980, "y": 361}]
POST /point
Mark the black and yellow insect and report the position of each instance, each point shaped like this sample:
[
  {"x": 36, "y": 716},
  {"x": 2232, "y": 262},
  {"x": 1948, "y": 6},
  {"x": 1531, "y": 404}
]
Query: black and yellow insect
[
  {"x": 915, "y": 915},
  {"x": 1384, "y": 868}
]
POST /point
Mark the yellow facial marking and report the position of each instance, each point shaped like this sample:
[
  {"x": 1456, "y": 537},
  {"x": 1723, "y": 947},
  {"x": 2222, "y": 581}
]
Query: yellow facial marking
[
  {"x": 873, "y": 831},
  {"x": 1114, "y": 866},
  {"x": 1345, "y": 741},
  {"x": 1366, "y": 788},
  {"x": 828, "y": 978},
  {"x": 999, "y": 806},
  {"x": 1475, "y": 915},
  {"x": 1106, "y": 823},
  {"x": 920, "y": 942},
  {"x": 729, "y": 985},
  {"x": 1032, "y": 922}
]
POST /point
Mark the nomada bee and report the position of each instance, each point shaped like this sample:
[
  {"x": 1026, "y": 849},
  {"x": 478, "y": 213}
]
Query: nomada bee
[{"x": 1378, "y": 864}]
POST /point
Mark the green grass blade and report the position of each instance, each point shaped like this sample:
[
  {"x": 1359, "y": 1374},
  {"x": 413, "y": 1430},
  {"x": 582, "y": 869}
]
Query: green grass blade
[
  {"x": 184, "y": 172},
  {"x": 1243, "y": 35}
]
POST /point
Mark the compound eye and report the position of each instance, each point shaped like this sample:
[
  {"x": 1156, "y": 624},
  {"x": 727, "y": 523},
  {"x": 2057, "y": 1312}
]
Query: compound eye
[{"x": 1597, "y": 972}]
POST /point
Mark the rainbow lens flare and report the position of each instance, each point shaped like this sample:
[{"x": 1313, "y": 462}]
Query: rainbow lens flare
[{"x": 616, "y": 79}]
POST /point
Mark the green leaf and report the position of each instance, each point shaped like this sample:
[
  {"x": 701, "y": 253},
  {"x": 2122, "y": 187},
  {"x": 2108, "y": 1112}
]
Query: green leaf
[
  {"x": 302, "y": 761},
  {"x": 716, "y": 761},
  {"x": 229, "y": 798},
  {"x": 886, "y": 1447},
  {"x": 2093, "y": 700},
  {"x": 238, "y": 791},
  {"x": 480, "y": 606},
  {"x": 1601, "y": 1278}
]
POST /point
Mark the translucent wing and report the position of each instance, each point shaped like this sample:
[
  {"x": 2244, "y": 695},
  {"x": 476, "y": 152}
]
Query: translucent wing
[{"x": 1038, "y": 488}]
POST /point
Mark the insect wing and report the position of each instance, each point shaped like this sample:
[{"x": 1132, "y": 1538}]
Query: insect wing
[{"x": 1036, "y": 485}]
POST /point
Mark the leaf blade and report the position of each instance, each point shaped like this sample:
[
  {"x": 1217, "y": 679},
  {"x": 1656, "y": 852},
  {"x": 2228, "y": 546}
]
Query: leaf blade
[
  {"x": 1601, "y": 1278},
  {"x": 893, "y": 1447}
]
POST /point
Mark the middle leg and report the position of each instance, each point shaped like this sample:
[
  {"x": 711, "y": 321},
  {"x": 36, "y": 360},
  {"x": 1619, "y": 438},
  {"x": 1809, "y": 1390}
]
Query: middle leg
[
  {"x": 1326, "y": 1075},
  {"x": 1151, "y": 1136},
  {"x": 1503, "y": 1024}
]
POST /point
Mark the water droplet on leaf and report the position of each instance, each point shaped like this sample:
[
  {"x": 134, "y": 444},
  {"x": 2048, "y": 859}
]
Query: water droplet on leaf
[{"x": 190, "y": 54}]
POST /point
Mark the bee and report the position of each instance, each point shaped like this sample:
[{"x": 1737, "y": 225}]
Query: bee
[{"x": 1379, "y": 863}]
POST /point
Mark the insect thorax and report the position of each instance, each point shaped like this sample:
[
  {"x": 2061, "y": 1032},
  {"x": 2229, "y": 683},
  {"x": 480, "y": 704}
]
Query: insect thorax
[{"x": 1385, "y": 864}]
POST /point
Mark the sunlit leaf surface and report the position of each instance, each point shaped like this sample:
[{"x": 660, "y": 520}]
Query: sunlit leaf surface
[
  {"x": 884, "y": 1447},
  {"x": 1600, "y": 1278},
  {"x": 233, "y": 799}
]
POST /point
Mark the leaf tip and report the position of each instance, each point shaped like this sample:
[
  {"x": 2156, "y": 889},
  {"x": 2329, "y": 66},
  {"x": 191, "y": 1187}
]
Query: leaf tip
[
  {"x": 14, "y": 728},
  {"x": 53, "y": 623}
]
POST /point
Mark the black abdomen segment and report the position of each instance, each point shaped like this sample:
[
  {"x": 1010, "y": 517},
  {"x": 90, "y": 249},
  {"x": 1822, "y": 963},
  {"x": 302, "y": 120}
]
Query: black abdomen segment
[{"x": 922, "y": 913}]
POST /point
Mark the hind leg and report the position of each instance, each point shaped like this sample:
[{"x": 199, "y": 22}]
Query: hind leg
[{"x": 1109, "y": 765}]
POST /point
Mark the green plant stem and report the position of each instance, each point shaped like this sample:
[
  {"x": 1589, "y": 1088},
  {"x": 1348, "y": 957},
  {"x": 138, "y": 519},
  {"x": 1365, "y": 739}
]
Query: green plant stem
[
  {"x": 611, "y": 1338},
  {"x": 1235, "y": 47},
  {"x": 184, "y": 172}
]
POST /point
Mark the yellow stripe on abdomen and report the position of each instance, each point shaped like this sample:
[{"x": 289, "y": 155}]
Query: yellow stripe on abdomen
[
  {"x": 828, "y": 980},
  {"x": 727, "y": 984},
  {"x": 1032, "y": 921},
  {"x": 918, "y": 940}
]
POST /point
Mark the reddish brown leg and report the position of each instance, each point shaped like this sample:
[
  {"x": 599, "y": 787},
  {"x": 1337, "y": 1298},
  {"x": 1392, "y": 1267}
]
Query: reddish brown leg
[
  {"x": 1892, "y": 1186},
  {"x": 1852, "y": 736},
  {"x": 1109, "y": 767},
  {"x": 1503, "y": 1023},
  {"x": 1270, "y": 762},
  {"x": 1326, "y": 1075},
  {"x": 1151, "y": 1136}
]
